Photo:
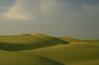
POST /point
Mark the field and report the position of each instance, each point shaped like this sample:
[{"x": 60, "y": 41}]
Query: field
[{"x": 40, "y": 49}]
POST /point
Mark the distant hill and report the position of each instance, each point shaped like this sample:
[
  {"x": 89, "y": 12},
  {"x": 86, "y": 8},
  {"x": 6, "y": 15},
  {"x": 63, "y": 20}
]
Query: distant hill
[
  {"x": 28, "y": 41},
  {"x": 69, "y": 39}
]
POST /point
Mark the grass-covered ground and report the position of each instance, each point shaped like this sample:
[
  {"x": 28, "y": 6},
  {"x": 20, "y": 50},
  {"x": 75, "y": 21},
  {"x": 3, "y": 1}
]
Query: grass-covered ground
[
  {"x": 24, "y": 58},
  {"x": 28, "y": 41},
  {"x": 39, "y": 49},
  {"x": 72, "y": 54}
]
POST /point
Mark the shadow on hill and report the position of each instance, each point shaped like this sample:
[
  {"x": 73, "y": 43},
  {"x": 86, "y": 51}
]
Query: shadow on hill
[
  {"x": 47, "y": 61},
  {"x": 36, "y": 45}
]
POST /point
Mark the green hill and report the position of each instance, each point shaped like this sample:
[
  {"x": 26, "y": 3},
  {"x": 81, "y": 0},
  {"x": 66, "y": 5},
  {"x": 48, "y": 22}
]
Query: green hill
[
  {"x": 72, "y": 54},
  {"x": 28, "y": 41},
  {"x": 24, "y": 58},
  {"x": 40, "y": 49}
]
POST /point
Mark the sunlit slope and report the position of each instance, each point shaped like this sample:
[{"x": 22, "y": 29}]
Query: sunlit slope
[
  {"x": 27, "y": 38},
  {"x": 24, "y": 58},
  {"x": 69, "y": 39},
  {"x": 28, "y": 41},
  {"x": 72, "y": 54},
  {"x": 91, "y": 41},
  {"x": 72, "y": 40}
]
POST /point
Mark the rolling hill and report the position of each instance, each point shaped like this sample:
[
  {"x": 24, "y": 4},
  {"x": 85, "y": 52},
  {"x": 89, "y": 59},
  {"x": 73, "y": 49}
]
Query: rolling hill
[
  {"x": 28, "y": 41},
  {"x": 72, "y": 54},
  {"x": 24, "y": 58},
  {"x": 40, "y": 49},
  {"x": 69, "y": 39}
]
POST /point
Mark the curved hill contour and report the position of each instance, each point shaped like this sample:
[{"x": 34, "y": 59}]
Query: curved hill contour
[
  {"x": 24, "y": 58},
  {"x": 28, "y": 41}
]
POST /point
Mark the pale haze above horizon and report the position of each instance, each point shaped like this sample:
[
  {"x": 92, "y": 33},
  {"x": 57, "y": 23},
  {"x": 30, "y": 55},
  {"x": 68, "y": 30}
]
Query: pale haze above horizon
[{"x": 75, "y": 18}]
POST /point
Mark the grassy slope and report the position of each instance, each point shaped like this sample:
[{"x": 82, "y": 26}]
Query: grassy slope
[
  {"x": 25, "y": 38},
  {"x": 26, "y": 41},
  {"x": 24, "y": 58},
  {"x": 71, "y": 54},
  {"x": 74, "y": 54}
]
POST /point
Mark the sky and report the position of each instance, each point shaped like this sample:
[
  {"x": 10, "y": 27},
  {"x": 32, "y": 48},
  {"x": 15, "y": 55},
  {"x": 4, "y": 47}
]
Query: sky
[{"x": 76, "y": 18}]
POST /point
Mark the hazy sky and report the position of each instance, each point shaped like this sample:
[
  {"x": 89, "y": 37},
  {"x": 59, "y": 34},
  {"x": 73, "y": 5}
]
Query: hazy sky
[{"x": 77, "y": 18}]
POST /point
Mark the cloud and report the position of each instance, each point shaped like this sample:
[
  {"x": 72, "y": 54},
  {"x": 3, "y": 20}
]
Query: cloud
[
  {"x": 2, "y": 29},
  {"x": 89, "y": 8},
  {"x": 44, "y": 6},
  {"x": 49, "y": 6},
  {"x": 17, "y": 12}
]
